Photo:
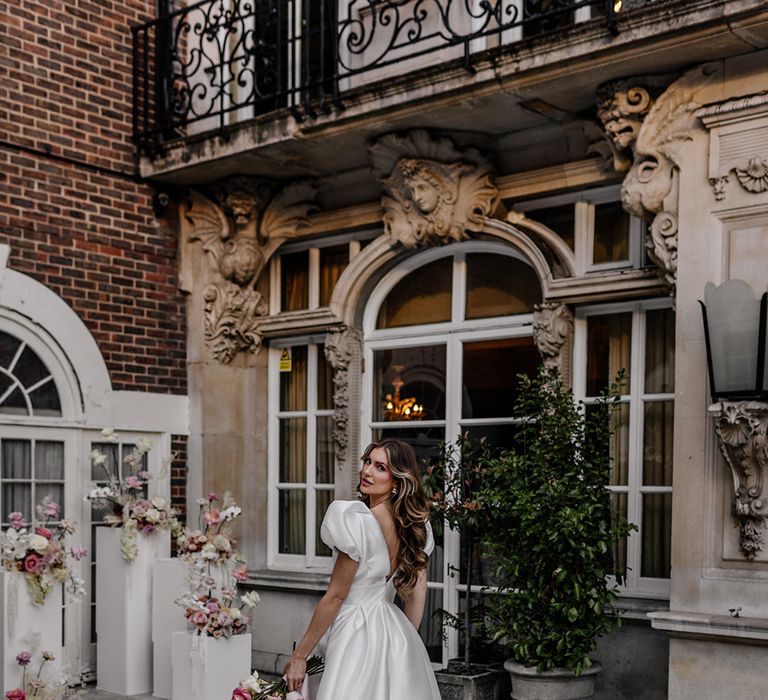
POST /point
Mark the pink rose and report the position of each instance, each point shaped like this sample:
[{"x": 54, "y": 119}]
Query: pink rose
[
  {"x": 198, "y": 618},
  {"x": 212, "y": 497},
  {"x": 32, "y": 563},
  {"x": 133, "y": 482},
  {"x": 16, "y": 520},
  {"x": 148, "y": 529},
  {"x": 213, "y": 607},
  {"x": 23, "y": 658},
  {"x": 51, "y": 509},
  {"x": 78, "y": 552},
  {"x": 240, "y": 573},
  {"x": 212, "y": 517},
  {"x": 145, "y": 475},
  {"x": 241, "y": 694},
  {"x": 43, "y": 532},
  {"x": 17, "y": 694}
]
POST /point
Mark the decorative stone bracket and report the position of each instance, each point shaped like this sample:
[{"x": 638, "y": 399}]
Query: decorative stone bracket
[
  {"x": 741, "y": 430},
  {"x": 553, "y": 335},
  {"x": 239, "y": 236}
]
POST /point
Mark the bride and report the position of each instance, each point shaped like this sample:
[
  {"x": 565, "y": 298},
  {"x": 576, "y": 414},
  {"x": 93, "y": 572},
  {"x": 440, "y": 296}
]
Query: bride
[{"x": 381, "y": 544}]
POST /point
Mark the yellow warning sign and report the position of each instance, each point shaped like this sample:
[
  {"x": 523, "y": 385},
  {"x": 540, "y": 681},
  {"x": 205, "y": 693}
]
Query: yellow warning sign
[{"x": 285, "y": 360}]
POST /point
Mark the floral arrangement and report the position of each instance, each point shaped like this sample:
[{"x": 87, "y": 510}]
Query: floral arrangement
[
  {"x": 40, "y": 552},
  {"x": 214, "y": 568},
  {"x": 256, "y": 688},
  {"x": 125, "y": 497},
  {"x": 40, "y": 684}
]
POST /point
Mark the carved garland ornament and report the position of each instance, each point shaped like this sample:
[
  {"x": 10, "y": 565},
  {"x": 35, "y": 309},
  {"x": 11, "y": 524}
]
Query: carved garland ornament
[
  {"x": 434, "y": 193},
  {"x": 552, "y": 332},
  {"x": 238, "y": 254},
  {"x": 341, "y": 348},
  {"x": 742, "y": 437}
]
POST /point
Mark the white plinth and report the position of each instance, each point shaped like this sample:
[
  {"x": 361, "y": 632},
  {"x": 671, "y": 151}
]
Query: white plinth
[
  {"x": 168, "y": 584},
  {"x": 19, "y": 617},
  {"x": 124, "y": 611},
  {"x": 205, "y": 668}
]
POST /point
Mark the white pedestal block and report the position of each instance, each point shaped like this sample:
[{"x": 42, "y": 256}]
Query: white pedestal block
[
  {"x": 168, "y": 584},
  {"x": 20, "y": 617},
  {"x": 205, "y": 668},
  {"x": 124, "y": 611}
]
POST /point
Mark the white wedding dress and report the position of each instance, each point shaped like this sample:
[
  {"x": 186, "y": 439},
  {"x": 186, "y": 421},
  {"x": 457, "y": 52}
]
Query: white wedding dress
[{"x": 371, "y": 650}]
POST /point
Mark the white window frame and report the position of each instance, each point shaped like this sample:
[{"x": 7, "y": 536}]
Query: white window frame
[
  {"x": 584, "y": 202},
  {"x": 635, "y": 584},
  {"x": 453, "y": 334},
  {"x": 310, "y": 561}
]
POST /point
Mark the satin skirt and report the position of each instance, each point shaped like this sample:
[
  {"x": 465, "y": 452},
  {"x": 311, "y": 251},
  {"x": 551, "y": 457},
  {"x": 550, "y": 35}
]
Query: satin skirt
[{"x": 372, "y": 651}]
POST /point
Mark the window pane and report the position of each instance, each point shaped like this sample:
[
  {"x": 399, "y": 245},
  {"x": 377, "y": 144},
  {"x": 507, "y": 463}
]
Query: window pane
[
  {"x": 293, "y": 384},
  {"x": 17, "y": 498},
  {"x": 292, "y": 514},
  {"x": 55, "y": 491},
  {"x": 324, "y": 381},
  {"x": 49, "y": 460},
  {"x": 409, "y": 383},
  {"x": 561, "y": 220},
  {"x": 431, "y": 630},
  {"x": 660, "y": 351},
  {"x": 109, "y": 449},
  {"x": 609, "y": 341},
  {"x": 499, "y": 285},
  {"x": 8, "y": 348},
  {"x": 325, "y": 450},
  {"x": 611, "y": 233},
  {"x": 422, "y": 296},
  {"x": 294, "y": 281},
  {"x": 619, "y": 444},
  {"x": 15, "y": 403},
  {"x": 490, "y": 369},
  {"x": 324, "y": 499},
  {"x": 17, "y": 459},
  {"x": 30, "y": 368},
  {"x": 424, "y": 441},
  {"x": 619, "y": 514},
  {"x": 45, "y": 400},
  {"x": 333, "y": 260},
  {"x": 656, "y": 534},
  {"x": 657, "y": 443},
  {"x": 293, "y": 450},
  {"x": 496, "y": 436}
]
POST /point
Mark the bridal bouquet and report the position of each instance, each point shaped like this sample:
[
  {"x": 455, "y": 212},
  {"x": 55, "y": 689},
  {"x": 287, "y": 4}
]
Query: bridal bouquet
[
  {"x": 256, "y": 688},
  {"x": 214, "y": 568},
  {"x": 125, "y": 496},
  {"x": 39, "y": 551}
]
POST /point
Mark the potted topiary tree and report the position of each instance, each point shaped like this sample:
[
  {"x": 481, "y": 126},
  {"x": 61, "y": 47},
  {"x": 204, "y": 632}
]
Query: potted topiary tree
[
  {"x": 551, "y": 535},
  {"x": 452, "y": 481}
]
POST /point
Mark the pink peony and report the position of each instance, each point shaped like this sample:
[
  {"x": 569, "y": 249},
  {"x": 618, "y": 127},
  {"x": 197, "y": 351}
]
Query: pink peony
[
  {"x": 213, "y": 607},
  {"x": 133, "y": 482},
  {"x": 212, "y": 517},
  {"x": 51, "y": 509},
  {"x": 16, "y": 520},
  {"x": 240, "y": 694},
  {"x": 44, "y": 532},
  {"x": 198, "y": 618},
  {"x": 23, "y": 658},
  {"x": 32, "y": 563},
  {"x": 17, "y": 694},
  {"x": 148, "y": 529},
  {"x": 240, "y": 573}
]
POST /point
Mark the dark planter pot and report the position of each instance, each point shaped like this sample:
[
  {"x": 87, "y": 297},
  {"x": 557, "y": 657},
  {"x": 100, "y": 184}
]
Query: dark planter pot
[
  {"x": 557, "y": 684},
  {"x": 477, "y": 684}
]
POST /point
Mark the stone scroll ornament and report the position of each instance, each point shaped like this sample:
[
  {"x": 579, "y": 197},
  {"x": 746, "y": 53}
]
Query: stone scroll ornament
[
  {"x": 552, "y": 333},
  {"x": 742, "y": 431},
  {"x": 238, "y": 237},
  {"x": 650, "y": 188},
  {"x": 433, "y": 192},
  {"x": 341, "y": 348}
]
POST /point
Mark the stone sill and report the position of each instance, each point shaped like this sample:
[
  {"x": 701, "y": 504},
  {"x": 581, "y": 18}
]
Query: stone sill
[
  {"x": 288, "y": 581},
  {"x": 702, "y": 626}
]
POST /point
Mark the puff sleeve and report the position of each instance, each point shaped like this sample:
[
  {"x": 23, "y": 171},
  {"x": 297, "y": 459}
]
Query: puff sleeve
[
  {"x": 342, "y": 528},
  {"x": 430, "y": 544}
]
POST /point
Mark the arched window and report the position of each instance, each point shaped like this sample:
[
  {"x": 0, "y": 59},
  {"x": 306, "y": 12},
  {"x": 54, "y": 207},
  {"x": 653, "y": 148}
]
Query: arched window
[
  {"x": 446, "y": 334},
  {"x": 27, "y": 386}
]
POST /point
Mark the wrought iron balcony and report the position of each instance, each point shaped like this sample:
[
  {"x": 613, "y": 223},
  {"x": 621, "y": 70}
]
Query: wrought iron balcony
[{"x": 216, "y": 63}]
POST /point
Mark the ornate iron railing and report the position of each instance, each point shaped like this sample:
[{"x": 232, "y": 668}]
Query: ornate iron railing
[{"x": 218, "y": 62}]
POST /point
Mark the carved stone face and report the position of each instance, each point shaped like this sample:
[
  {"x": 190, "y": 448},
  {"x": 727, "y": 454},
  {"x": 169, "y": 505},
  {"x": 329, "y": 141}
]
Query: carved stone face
[{"x": 424, "y": 194}]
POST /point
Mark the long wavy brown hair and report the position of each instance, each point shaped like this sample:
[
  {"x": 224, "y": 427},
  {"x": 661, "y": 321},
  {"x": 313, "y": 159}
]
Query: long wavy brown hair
[{"x": 410, "y": 509}]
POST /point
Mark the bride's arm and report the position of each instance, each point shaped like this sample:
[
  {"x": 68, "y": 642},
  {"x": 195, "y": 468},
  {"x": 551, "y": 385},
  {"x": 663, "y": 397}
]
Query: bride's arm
[
  {"x": 414, "y": 606},
  {"x": 325, "y": 612}
]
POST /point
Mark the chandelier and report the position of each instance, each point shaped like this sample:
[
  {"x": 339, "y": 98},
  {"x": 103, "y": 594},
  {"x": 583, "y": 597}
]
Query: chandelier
[{"x": 398, "y": 408}]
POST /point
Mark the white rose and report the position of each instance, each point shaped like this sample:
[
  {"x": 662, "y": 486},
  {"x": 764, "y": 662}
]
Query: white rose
[
  {"x": 38, "y": 543},
  {"x": 159, "y": 503},
  {"x": 222, "y": 543},
  {"x": 152, "y": 515},
  {"x": 209, "y": 552},
  {"x": 98, "y": 457},
  {"x": 252, "y": 682}
]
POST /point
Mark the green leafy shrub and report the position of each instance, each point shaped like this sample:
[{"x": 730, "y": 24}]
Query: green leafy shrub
[{"x": 550, "y": 529}]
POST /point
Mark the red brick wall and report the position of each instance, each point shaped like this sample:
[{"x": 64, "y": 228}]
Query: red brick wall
[
  {"x": 179, "y": 476},
  {"x": 70, "y": 208}
]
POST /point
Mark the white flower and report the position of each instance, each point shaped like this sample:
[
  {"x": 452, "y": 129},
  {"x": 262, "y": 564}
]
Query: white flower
[
  {"x": 110, "y": 435},
  {"x": 222, "y": 543},
  {"x": 38, "y": 543},
  {"x": 251, "y": 599},
  {"x": 100, "y": 492},
  {"x": 209, "y": 552},
  {"x": 159, "y": 503},
  {"x": 152, "y": 515},
  {"x": 145, "y": 444},
  {"x": 16, "y": 542},
  {"x": 98, "y": 457},
  {"x": 252, "y": 682},
  {"x": 230, "y": 513},
  {"x": 234, "y": 613}
]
